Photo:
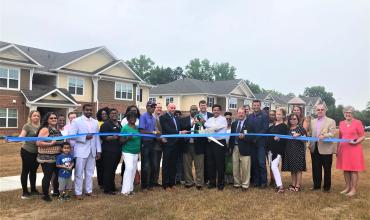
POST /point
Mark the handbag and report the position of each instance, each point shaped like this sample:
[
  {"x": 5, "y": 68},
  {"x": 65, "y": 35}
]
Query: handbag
[{"x": 137, "y": 178}]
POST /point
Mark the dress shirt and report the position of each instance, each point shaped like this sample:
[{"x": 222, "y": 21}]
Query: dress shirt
[{"x": 218, "y": 125}]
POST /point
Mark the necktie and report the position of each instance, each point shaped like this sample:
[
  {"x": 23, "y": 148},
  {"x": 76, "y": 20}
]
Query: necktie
[
  {"x": 238, "y": 131},
  {"x": 174, "y": 121}
]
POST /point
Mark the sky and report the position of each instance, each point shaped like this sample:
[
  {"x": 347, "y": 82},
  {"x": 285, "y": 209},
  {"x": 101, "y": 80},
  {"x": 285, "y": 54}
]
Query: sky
[{"x": 285, "y": 45}]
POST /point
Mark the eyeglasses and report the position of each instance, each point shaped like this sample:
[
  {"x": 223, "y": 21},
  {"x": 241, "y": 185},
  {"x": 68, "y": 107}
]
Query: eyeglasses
[
  {"x": 293, "y": 119},
  {"x": 348, "y": 112},
  {"x": 228, "y": 119},
  {"x": 320, "y": 110}
]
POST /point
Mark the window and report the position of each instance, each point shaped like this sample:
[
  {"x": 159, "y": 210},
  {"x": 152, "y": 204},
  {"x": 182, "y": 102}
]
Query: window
[
  {"x": 9, "y": 78},
  {"x": 233, "y": 103},
  {"x": 8, "y": 118},
  {"x": 123, "y": 91},
  {"x": 169, "y": 100},
  {"x": 153, "y": 99},
  {"x": 121, "y": 116},
  {"x": 76, "y": 86},
  {"x": 139, "y": 94},
  {"x": 246, "y": 102},
  {"x": 210, "y": 101}
]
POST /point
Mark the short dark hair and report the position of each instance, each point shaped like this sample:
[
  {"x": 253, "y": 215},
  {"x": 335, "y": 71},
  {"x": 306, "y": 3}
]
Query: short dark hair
[
  {"x": 217, "y": 105},
  {"x": 112, "y": 109},
  {"x": 71, "y": 113},
  {"x": 87, "y": 105},
  {"x": 228, "y": 113},
  {"x": 66, "y": 144},
  {"x": 130, "y": 115},
  {"x": 202, "y": 102},
  {"x": 256, "y": 100}
]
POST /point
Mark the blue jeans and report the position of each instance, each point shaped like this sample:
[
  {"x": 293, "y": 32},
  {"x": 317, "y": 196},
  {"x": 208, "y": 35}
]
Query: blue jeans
[{"x": 258, "y": 157}]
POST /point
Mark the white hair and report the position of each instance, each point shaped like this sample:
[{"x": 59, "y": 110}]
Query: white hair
[{"x": 348, "y": 108}]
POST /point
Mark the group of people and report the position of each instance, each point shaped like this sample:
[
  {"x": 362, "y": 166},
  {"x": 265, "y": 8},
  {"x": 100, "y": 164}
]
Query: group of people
[{"x": 178, "y": 154}]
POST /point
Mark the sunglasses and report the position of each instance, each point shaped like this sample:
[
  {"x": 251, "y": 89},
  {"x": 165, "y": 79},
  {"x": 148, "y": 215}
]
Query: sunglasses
[
  {"x": 53, "y": 118},
  {"x": 293, "y": 119},
  {"x": 320, "y": 110}
]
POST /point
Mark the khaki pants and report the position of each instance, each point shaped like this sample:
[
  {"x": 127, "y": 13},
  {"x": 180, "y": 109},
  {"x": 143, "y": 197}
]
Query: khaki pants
[
  {"x": 198, "y": 159},
  {"x": 241, "y": 168}
]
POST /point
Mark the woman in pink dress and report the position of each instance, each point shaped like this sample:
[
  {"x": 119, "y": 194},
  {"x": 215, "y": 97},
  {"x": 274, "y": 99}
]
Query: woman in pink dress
[{"x": 350, "y": 157}]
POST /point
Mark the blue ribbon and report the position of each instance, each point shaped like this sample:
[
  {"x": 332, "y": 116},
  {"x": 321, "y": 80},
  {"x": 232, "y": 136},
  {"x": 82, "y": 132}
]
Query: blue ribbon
[{"x": 289, "y": 137}]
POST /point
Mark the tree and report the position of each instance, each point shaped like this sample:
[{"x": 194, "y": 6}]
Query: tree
[
  {"x": 319, "y": 91},
  {"x": 255, "y": 88},
  {"x": 142, "y": 66},
  {"x": 161, "y": 75},
  {"x": 223, "y": 71},
  {"x": 197, "y": 69}
]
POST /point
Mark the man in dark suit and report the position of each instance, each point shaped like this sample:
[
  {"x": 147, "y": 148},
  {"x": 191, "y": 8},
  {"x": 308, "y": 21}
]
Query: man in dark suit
[
  {"x": 241, "y": 150},
  {"x": 205, "y": 116},
  {"x": 258, "y": 122},
  {"x": 170, "y": 125},
  {"x": 193, "y": 151}
]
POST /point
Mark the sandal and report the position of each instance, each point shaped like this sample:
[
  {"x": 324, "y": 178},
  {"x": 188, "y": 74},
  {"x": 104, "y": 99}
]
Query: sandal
[
  {"x": 291, "y": 188},
  {"x": 297, "y": 189},
  {"x": 280, "y": 190}
]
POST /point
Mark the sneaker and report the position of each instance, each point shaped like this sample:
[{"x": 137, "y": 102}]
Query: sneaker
[
  {"x": 26, "y": 195},
  {"x": 46, "y": 198},
  {"x": 35, "y": 193},
  {"x": 67, "y": 197},
  {"x": 56, "y": 194},
  {"x": 61, "y": 198}
]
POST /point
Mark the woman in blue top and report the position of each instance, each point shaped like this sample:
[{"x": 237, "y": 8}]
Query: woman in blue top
[{"x": 130, "y": 153}]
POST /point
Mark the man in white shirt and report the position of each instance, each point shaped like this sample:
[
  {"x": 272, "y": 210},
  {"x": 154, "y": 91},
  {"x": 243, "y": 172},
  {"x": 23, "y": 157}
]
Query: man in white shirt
[
  {"x": 87, "y": 149},
  {"x": 216, "y": 153}
]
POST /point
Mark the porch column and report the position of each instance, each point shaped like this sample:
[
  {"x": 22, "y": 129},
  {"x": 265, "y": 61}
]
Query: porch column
[
  {"x": 95, "y": 92},
  {"x": 227, "y": 103}
]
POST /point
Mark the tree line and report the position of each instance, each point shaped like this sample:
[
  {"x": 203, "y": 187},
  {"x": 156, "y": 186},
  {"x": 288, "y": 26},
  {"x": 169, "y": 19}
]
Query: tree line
[{"x": 203, "y": 69}]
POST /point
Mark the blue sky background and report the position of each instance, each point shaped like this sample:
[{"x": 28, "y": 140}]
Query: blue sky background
[{"x": 285, "y": 45}]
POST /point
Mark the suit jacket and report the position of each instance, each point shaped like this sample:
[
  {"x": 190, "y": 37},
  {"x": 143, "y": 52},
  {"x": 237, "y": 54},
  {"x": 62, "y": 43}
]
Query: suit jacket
[
  {"x": 168, "y": 127},
  {"x": 328, "y": 130},
  {"x": 83, "y": 147},
  {"x": 258, "y": 123},
  {"x": 245, "y": 144}
]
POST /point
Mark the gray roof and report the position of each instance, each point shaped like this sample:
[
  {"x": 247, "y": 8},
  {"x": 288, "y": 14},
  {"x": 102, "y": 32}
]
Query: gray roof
[
  {"x": 40, "y": 90},
  {"x": 261, "y": 96},
  {"x": 51, "y": 59},
  {"x": 194, "y": 86},
  {"x": 308, "y": 99}
]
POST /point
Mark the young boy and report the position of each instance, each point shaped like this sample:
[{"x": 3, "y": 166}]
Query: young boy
[{"x": 65, "y": 164}]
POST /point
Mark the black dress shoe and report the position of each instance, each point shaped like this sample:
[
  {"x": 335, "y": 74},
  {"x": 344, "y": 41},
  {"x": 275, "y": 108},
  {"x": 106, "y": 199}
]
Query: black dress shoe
[
  {"x": 326, "y": 190},
  {"x": 199, "y": 187},
  {"x": 56, "y": 194},
  {"x": 110, "y": 193},
  {"x": 263, "y": 186},
  {"x": 244, "y": 189},
  {"x": 46, "y": 198},
  {"x": 211, "y": 186},
  {"x": 220, "y": 187},
  {"x": 189, "y": 186},
  {"x": 315, "y": 188},
  {"x": 35, "y": 193}
]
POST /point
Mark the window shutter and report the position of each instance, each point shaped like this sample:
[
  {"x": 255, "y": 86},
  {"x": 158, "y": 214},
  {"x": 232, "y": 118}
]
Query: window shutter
[{"x": 141, "y": 95}]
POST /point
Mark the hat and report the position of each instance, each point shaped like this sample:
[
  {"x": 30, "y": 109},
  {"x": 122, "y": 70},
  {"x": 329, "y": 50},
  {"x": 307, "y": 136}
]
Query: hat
[{"x": 151, "y": 103}]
